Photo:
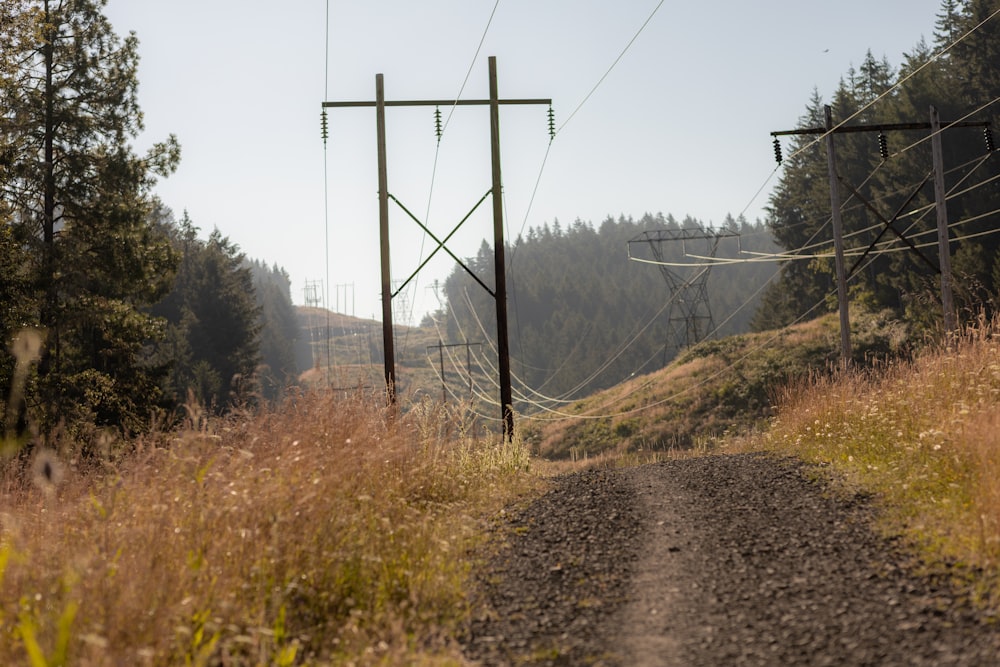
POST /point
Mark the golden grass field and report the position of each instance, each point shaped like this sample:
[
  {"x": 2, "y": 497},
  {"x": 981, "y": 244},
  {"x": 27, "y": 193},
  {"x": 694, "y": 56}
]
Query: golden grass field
[
  {"x": 330, "y": 532},
  {"x": 325, "y": 533}
]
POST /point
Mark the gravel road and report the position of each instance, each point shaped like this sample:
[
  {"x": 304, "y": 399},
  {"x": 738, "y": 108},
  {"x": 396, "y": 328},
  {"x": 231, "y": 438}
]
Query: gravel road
[{"x": 722, "y": 560}]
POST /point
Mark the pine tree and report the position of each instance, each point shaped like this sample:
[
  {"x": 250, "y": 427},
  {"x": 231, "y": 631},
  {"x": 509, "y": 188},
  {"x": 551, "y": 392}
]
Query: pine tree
[
  {"x": 79, "y": 201},
  {"x": 279, "y": 329},
  {"x": 212, "y": 336}
]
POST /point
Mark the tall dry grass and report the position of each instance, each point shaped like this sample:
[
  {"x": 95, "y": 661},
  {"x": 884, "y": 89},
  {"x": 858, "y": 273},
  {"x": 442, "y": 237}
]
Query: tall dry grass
[
  {"x": 322, "y": 533},
  {"x": 924, "y": 435}
]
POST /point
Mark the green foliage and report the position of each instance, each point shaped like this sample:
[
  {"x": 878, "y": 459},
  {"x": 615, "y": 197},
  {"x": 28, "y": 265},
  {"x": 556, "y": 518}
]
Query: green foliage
[
  {"x": 280, "y": 331},
  {"x": 716, "y": 388},
  {"x": 80, "y": 258},
  {"x": 212, "y": 337},
  {"x": 964, "y": 81}
]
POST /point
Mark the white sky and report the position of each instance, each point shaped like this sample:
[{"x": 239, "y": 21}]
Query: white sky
[{"x": 681, "y": 125}]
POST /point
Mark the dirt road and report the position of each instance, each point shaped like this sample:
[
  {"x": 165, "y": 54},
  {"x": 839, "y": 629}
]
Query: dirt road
[{"x": 723, "y": 560}]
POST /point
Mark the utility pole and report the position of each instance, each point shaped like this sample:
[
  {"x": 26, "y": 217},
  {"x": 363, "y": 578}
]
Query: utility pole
[
  {"x": 440, "y": 347},
  {"x": 838, "y": 245},
  {"x": 388, "y": 344},
  {"x": 348, "y": 289},
  {"x": 944, "y": 266},
  {"x": 944, "y": 246},
  {"x": 500, "y": 292},
  {"x": 500, "y": 264}
]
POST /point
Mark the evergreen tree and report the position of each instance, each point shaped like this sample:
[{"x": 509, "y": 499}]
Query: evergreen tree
[
  {"x": 279, "y": 329},
  {"x": 212, "y": 339},
  {"x": 961, "y": 84},
  {"x": 79, "y": 203},
  {"x": 582, "y": 315}
]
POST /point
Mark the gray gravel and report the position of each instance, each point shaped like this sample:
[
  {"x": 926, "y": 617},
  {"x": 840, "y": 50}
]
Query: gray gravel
[{"x": 722, "y": 560}]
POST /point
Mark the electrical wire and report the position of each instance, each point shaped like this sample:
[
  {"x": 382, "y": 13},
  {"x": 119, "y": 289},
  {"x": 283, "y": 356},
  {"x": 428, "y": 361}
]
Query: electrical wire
[
  {"x": 437, "y": 152},
  {"x": 605, "y": 75},
  {"x": 757, "y": 194},
  {"x": 579, "y": 106},
  {"x": 556, "y": 415},
  {"x": 954, "y": 192},
  {"x": 898, "y": 84},
  {"x": 797, "y": 254}
]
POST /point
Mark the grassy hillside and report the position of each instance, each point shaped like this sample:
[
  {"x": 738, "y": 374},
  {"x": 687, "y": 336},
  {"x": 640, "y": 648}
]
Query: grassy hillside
[
  {"x": 715, "y": 389},
  {"x": 923, "y": 435}
]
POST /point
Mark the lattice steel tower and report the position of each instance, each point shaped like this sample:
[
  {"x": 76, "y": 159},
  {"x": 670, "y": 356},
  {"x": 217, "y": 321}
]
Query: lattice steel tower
[{"x": 689, "y": 316}]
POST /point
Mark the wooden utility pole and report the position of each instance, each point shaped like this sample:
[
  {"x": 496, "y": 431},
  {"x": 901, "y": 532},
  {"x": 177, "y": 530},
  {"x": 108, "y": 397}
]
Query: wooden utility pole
[
  {"x": 388, "y": 344},
  {"x": 500, "y": 293},
  {"x": 944, "y": 249},
  {"x": 503, "y": 346},
  {"x": 934, "y": 126},
  {"x": 838, "y": 245}
]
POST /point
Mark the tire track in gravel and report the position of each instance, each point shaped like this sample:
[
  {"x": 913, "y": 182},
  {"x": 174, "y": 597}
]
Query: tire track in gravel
[{"x": 723, "y": 560}]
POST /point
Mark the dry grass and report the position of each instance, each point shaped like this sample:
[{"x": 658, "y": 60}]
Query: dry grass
[
  {"x": 924, "y": 435},
  {"x": 323, "y": 533}
]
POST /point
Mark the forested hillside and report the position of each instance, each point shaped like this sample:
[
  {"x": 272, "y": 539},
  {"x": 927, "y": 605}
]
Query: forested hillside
[
  {"x": 583, "y": 316},
  {"x": 963, "y": 83}
]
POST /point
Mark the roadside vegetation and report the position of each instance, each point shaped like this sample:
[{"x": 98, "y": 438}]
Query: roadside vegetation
[
  {"x": 923, "y": 435},
  {"x": 321, "y": 533}
]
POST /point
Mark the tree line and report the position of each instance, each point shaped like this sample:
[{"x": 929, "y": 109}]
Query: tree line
[
  {"x": 583, "y": 316},
  {"x": 133, "y": 314},
  {"x": 958, "y": 74}
]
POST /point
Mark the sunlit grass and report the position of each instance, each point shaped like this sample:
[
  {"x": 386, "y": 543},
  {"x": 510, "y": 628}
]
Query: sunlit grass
[
  {"x": 320, "y": 533},
  {"x": 924, "y": 435}
]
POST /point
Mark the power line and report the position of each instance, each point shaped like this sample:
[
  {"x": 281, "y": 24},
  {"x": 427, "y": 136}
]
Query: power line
[
  {"x": 797, "y": 254},
  {"x": 616, "y": 61},
  {"x": 899, "y": 83},
  {"x": 775, "y": 257},
  {"x": 437, "y": 150}
]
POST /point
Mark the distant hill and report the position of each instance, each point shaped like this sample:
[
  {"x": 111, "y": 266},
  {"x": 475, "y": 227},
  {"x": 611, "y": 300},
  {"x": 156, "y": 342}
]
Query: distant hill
[{"x": 354, "y": 349}]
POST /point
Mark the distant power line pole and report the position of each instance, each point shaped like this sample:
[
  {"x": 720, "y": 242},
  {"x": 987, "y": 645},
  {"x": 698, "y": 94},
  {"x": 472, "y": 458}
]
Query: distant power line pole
[
  {"x": 500, "y": 292},
  {"x": 440, "y": 347},
  {"x": 940, "y": 198},
  {"x": 348, "y": 289}
]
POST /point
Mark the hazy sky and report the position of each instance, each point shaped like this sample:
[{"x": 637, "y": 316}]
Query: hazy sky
[{"x": 680, "y": 125}]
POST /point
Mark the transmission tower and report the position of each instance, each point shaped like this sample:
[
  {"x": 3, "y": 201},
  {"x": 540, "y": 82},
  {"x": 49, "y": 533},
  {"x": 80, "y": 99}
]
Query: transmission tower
[
  {"x": 689, "y": 315},
  {"x": 313, "y": 293},
  {"x": 402, "y": 315}
]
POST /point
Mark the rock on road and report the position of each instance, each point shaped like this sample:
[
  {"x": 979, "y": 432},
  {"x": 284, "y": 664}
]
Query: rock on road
[{"x": 738, "y": 559}]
